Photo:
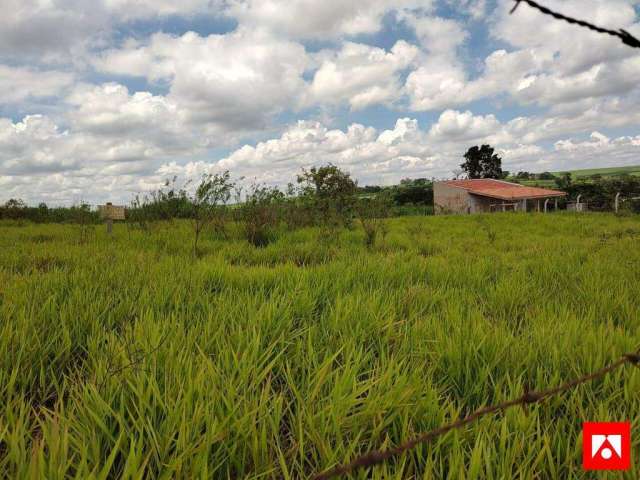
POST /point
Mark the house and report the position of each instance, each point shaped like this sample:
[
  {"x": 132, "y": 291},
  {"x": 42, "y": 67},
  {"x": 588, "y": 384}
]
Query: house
[{"x": 489, "y": 195}]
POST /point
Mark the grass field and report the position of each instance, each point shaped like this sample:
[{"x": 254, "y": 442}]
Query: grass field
[
  {"x": 605, "y": 172},
  {"x": 128, "y": 358}
]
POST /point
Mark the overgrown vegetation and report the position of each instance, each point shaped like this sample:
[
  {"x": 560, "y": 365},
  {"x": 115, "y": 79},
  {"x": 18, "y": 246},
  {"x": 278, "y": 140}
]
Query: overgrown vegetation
[
  {"x": 127, "y": 357},
  {"x": 323, "y": 196},
  {"x": 167, "y": 203},
  {"x": 208, "y": 204},
  {"x": 332, "y": 194},
  {"x": 260, "y": 214},
  {"x": 16, "y": 209},
  {"x": 600, "y": 193},
  {"x": 597, "y": 190},
  {"x": 372, "y": 213}
]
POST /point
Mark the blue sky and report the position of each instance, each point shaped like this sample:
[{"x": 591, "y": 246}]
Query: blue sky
[{"x": 102, "y": 100}]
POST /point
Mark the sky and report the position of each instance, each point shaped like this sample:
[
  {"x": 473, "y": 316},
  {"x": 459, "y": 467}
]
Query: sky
[{"x": 101, "y": 100}]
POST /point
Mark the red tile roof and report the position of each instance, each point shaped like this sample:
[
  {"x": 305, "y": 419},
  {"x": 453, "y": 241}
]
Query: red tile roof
[{"x": 503, "y": 190}]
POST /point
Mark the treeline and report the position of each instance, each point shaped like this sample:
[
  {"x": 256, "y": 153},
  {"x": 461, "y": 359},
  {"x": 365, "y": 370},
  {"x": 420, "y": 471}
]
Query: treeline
[
  {"x": 409, "y": 193},
  {"x": 16, "y": 209},
  {"x": 597, "y": 191},
  {"x": 534, "y": 176},
  {"x": 600, "y": 193}
]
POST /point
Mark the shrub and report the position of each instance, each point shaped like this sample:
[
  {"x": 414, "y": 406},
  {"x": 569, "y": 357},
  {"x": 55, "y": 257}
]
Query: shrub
[
  {"x": 371, "y": 214},
  {"x": 260, "y": 214},
  {"x": 166, "y": 203},
  {"x": 332, "y": 193},
  {"x": 208, "y": 203}
]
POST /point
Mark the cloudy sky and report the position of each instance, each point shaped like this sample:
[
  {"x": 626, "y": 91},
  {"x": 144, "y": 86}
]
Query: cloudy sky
[{"x": 100, "y": 99}]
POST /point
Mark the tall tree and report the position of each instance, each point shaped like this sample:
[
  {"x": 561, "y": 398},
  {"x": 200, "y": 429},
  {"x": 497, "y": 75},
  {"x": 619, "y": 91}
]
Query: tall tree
[{"x": 482, "y": 162}]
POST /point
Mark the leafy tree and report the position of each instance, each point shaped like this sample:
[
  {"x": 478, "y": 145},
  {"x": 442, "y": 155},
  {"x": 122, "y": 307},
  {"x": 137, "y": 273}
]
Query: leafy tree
[
  {"x": 564, "y": 181},
  {"x": 327, "y": 181},
  {"x": 482, "y": 162},
  {"x": 545, "y": 176},
  {"x": 414, "y": 192},
  {"x": 333, "y": 192},
  {"x": 14, "y": 209},
  {"x": 368, "y": 189}
]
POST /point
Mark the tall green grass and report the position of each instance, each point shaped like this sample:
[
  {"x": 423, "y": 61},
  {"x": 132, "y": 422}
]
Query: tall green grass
[{"x": 127, "y": 357}]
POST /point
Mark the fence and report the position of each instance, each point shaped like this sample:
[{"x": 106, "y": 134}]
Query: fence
[
  {"x": 376, "y": 457},
  {"x": 621, "y": 200}
]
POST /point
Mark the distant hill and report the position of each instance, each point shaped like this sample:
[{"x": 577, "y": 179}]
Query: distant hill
[
  {"x": 585, "y": 174},
  {"x": 605, "y": 172}
]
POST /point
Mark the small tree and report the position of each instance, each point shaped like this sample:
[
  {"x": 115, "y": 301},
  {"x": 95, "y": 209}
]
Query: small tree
[
  {"x": 457, "y": 172},
  {"x": 564, "y": 181},
  {"x": 209, "y": 201},
  {"x": 42, "y": 212},
  {"x": 82, "y": 217},
  {"x": 260, "y": 214},
  {"x": 333, "y": 192},
  {"x": 372, "y": 213},
  {"x": 14, "y": 209},
  {"x": 482, "y": 162}
]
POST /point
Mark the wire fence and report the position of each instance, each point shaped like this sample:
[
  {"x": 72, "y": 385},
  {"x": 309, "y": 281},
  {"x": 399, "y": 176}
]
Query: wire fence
[
  {"x": 623, "y": 35},
  {"x": 377, "y": 457}
]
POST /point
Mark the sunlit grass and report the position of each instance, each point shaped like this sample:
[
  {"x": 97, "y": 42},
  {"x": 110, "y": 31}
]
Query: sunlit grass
[{"x": 130, "y": 358}]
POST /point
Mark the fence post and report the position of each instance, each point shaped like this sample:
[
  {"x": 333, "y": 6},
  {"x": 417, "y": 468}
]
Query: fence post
[
  {"x": 109, "y": 220},
  {"x": 617, "y": 201},
  {"x": 546, "y": 204}
]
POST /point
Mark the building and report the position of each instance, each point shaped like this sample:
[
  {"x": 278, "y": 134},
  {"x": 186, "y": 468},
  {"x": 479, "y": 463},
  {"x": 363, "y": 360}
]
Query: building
[{"x": 488, "y": 195}]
